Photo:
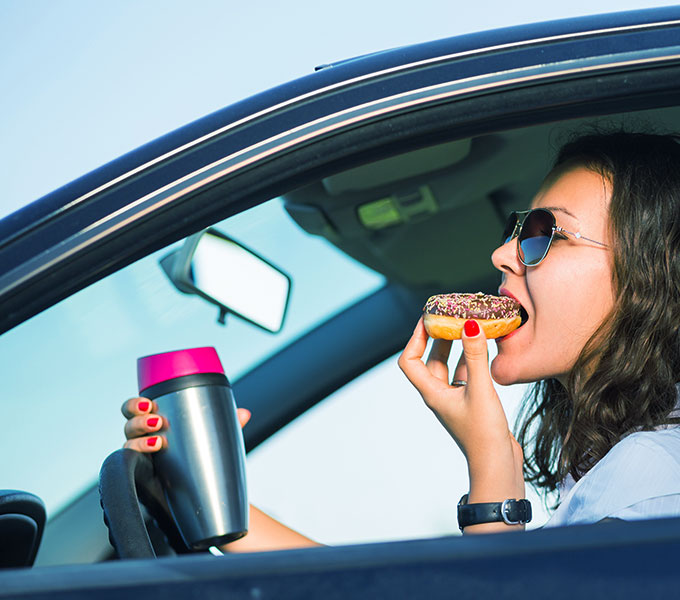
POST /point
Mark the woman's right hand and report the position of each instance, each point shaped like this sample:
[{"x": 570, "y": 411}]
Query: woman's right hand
[
  {"x": 144, "y": 426},
  {"x": 472, "y": 414}
]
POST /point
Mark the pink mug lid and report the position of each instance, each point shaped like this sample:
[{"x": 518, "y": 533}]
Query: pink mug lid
[{"x": 157, "y": 368}]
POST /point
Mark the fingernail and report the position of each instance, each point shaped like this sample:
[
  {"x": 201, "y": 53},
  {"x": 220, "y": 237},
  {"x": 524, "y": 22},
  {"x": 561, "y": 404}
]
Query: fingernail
[
  {"x": 151, "y": 441},
  {"x": 152, "y": 422},
  {"x": 471, "y": 328},
  {"x": 249, "y": 413},
  {"x": 143, "y": 406}
]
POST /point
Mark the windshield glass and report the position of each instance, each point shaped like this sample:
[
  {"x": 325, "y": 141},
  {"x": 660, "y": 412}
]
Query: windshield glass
[{"x": 69, "y": 369}]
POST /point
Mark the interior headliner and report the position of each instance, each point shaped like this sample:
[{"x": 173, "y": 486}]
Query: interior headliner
[{"x": 406, "y": 216}]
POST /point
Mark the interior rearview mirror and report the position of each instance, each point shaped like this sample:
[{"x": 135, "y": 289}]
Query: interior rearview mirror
[{"x": 229, "y": 275}]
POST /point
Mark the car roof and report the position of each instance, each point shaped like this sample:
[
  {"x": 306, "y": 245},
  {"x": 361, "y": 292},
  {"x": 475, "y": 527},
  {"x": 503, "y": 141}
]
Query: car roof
[{"x": 327, "y": 77}]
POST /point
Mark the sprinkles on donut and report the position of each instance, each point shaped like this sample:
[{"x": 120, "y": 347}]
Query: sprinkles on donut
[{"x": 445, "y": 314}]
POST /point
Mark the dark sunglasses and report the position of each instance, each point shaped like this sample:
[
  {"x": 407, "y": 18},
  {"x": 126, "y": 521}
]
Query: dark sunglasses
[{"x": 535, "y": 230}]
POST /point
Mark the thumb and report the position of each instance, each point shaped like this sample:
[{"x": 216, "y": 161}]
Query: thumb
[
  {"x": 476, "y": 353},
  {"x": 243, "y": 416}
]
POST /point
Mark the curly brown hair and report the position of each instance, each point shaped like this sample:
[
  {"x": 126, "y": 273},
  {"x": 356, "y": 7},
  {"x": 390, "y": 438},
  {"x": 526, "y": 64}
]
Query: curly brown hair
[{"x": 624, "y": 378}]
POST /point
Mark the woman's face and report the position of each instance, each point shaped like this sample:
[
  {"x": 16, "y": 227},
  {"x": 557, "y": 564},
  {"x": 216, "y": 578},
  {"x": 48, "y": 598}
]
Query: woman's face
[{"x": 566, "y": 296}]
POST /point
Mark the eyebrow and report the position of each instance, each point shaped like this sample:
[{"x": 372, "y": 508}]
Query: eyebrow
[{"x": 561, "y": 209}]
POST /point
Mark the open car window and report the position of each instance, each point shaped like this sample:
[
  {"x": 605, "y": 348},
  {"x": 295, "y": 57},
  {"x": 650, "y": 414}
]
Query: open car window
[
  {"x": 396, "y": 222},
  {"x": 69, "y": 369},
  {"x": 375, "y": 459}
]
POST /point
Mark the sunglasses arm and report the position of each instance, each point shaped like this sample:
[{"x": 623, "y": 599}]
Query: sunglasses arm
[{"x": 578, "y": 236}]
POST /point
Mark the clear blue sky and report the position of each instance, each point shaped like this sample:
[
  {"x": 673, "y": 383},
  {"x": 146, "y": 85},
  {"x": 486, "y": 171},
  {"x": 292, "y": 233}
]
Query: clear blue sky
[{"x": 84, "y": 81}]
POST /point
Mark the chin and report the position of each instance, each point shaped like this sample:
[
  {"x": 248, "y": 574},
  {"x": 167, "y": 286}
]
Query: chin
[
  {"x": 504, "y": 372},
  {"x": 500, "y": 372}
]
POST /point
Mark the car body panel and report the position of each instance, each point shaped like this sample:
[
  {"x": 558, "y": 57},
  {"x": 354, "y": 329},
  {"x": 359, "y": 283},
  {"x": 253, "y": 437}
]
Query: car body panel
[{"x": 623, "y": 560}]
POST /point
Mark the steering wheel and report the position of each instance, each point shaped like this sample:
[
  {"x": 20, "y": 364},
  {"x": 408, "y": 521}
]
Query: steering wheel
[
  {"x": 22, "y": 521},
  {"x": 126, "y": 479}
]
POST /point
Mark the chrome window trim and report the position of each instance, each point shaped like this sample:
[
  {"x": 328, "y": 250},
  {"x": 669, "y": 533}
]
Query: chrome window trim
[
  {"x": 362, "y": 78},
  {"x": 356, "y": 114}
]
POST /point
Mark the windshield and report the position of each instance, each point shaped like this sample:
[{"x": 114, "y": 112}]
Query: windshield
[{"x": 68, "y": 370}]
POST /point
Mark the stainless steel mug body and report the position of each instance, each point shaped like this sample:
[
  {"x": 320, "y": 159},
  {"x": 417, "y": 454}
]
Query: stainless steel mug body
[{"x": 202, "y": 462}]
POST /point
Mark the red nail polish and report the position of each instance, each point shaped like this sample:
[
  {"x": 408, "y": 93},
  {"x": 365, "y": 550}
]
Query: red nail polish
[
  {"x": 152, "y": 421},
  {"x": 471, "y": 328},
  {"x": 151, "y": 441},
  {"x": 143, "y": 406}
]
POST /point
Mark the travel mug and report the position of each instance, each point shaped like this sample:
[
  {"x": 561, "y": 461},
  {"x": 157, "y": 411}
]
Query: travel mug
[{"x": 201, "y": 466}]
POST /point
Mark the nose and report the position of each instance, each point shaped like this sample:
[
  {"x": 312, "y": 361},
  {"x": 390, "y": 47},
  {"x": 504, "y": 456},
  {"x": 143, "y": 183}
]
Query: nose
[{"x": 505, "y": 259}]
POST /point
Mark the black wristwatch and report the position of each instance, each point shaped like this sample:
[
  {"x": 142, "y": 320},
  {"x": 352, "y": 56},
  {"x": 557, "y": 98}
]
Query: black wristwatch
[{"x": 511, "y": 512}]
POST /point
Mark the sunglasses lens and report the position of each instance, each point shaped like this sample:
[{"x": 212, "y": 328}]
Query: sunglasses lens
[
  {"x": 534, "y": 239},
  {"x": 509, "y": 228}
]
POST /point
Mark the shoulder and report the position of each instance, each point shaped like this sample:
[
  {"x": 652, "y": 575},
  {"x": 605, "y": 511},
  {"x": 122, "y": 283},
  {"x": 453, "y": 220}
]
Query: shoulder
[
  {"x": 661, "y": 447},
  {"x": 642, "y": 466}
]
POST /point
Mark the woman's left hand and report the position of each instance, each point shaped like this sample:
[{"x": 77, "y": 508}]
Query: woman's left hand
[{"x": 472, "y": 414}]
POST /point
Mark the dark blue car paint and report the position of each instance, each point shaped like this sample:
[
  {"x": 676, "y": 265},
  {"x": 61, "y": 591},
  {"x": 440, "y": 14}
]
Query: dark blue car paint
[{"x": 609, "y": 560}]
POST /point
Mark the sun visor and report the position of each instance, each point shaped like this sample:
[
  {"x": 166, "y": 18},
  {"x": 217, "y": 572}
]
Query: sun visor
[
  {"x": 395, "y": 168},
  {"x": 408, "y": 215}
]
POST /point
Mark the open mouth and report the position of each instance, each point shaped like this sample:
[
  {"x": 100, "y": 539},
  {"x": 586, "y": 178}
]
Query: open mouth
[{"x": 524, "y": 316}]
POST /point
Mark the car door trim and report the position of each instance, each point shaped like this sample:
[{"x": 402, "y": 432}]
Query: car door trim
[{"x": 362, "y": 79}]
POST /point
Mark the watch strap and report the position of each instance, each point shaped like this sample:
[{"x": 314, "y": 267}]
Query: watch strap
[{"x": 511, "y": 512}]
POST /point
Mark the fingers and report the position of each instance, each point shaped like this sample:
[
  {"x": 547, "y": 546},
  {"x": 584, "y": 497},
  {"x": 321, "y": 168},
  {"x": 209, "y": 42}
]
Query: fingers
[
  {"x": 142, "y": 425},
  {"x": 243, "y": 415},
  {"x": 410, "y": 362},
  {"x": 438, "y": 359},
  {"x": 476, "y": 355},
  {"x": 460, "y": 372},
  {"x": 141, "y": 422},
  {"x": 415, "y": 347},
  {"x": 145, "y": 444},
  {"x": 410, "y": 359},
  {"x": 138, "y": 428},
  {"x": 137, "y": 406}
]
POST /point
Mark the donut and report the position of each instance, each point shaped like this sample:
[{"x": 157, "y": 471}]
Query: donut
[{"x": 445, "y": 314}]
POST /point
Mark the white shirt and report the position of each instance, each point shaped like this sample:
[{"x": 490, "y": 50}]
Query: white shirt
[{"x": 639, "y": 478}]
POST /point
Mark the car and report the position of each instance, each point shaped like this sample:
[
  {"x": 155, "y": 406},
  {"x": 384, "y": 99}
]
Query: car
[{"x": 369, "y": 184}]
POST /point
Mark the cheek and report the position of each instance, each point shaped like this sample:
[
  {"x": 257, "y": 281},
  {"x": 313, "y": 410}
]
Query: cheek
[
  {"x": 568, "y": 305},
  {"x": 569, "y": 311},
  {"x": 563, "y": 316}
]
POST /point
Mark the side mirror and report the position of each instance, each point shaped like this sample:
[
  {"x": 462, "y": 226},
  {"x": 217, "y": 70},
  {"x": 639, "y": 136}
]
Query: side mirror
[{"x": 229, "y": 275}]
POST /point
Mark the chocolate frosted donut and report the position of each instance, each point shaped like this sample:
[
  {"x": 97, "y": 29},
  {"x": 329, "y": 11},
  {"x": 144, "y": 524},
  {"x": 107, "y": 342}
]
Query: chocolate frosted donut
[{"x": 445, "y": 314}]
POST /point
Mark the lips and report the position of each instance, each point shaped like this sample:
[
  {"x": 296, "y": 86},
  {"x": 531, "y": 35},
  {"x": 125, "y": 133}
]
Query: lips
[{"x": 522, "y": 311}]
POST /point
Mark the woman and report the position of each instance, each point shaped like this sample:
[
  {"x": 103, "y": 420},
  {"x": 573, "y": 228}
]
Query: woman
[{"x": 596, "y": 266}]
